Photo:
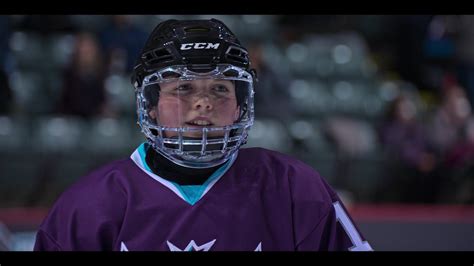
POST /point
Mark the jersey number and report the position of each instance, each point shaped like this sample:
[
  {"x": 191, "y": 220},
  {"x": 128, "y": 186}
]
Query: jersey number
[{"x": 351, "y": 231}]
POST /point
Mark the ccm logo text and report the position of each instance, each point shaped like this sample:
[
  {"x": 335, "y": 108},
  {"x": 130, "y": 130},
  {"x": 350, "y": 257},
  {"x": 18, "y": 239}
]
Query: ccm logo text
[{"x": 199, "y": 45}]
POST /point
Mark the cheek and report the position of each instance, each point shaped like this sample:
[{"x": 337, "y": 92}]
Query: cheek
[
  {"x": 227, "y": 116},
  {"x": 170, "y": 113}
]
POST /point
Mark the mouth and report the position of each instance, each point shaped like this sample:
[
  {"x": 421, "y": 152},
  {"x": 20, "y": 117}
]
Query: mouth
[{"x": 199, "y": 122}]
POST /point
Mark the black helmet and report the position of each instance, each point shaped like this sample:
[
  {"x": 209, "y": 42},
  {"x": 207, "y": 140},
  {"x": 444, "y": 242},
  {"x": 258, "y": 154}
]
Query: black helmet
[{"x": 198, "y": 44}]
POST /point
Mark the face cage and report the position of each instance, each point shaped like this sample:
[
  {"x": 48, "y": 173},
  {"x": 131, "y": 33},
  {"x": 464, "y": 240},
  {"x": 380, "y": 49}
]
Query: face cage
[{"x": 196, "y": 153}]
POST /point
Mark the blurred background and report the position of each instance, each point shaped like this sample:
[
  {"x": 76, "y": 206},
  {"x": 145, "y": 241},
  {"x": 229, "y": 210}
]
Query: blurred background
[{"x": 380, "y": 105}]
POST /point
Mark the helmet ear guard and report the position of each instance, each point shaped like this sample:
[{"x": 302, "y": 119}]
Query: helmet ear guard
[{"x": 192, "y": 50}]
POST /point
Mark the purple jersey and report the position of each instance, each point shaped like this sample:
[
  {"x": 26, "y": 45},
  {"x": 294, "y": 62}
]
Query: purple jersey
[{"x": 259, "y": 200}]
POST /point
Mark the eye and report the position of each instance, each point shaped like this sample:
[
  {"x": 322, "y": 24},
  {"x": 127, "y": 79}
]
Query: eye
[
  {"x": 184, "y": 88},
  {"x": 221, "y": 88}
]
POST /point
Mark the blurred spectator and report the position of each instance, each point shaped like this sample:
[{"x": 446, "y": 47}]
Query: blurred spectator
[
  {"x": 272, "y": 89},
  {"x": 403, "y": 137},
  {"x": 121, "y": 42},
  {"x": 438, "y": 51},
  {"x": 83, "y": 91},
  {"x": 450, "y": 118},
  {"x": 462, "y": 152},
  {"x": 453, "y": 131},
  {"x": 464, "y": 53},
  {"x": 459, "y": 168},
  {"x": 411, "y": 175}
]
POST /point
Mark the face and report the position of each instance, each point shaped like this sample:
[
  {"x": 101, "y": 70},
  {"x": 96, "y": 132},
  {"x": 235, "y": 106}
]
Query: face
[
  {"x": 405, "y": 110},
  {"x": 196, "y": 104},
  {"x": 457, "y": 104}
]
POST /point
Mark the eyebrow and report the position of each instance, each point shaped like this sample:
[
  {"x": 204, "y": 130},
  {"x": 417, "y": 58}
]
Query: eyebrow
[{"x": 224, "y": 82}]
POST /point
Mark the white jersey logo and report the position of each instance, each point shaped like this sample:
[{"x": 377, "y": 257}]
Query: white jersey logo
[
  {"x": 259, "y": 247},
  {"x": 192, "y": 246},
  {"x": 199, "y": 45}
]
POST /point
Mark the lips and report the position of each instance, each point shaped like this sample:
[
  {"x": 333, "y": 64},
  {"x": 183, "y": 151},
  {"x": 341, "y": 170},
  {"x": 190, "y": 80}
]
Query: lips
[{"x": 200, "y": 121}]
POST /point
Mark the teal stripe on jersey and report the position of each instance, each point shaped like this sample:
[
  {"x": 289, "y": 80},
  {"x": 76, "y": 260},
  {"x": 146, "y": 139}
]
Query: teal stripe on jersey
[
  {"x": 193, "y": 193},
  {"x": 142, "y": 151}
]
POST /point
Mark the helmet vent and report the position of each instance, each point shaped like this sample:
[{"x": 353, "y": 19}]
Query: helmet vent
[
  {"x": 197, "y": 29},
  {"x": 157, "y": 56},
  {"x": 162, "y": 52},
  {"x": 170, "y": 75},
  {"x": 231, "y": 73},
  {"x": 237, "y": 54}
]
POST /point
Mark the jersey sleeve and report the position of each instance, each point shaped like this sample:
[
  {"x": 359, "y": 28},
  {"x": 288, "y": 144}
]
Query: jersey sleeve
[
  {"x": 335, "y": 232},
  {"x": 322, "y": 223},
  {"x": 44, "y": 242}
]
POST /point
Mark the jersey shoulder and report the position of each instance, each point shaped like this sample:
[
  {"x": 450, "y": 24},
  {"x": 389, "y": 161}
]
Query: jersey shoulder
[
  {"x": 266, "y": 156},
  {"x": 102, "y": 187},
  {"x": 94, "y": 206},
  {"x": 103, "y": 177},
  {"x": 304, "y": 181}
]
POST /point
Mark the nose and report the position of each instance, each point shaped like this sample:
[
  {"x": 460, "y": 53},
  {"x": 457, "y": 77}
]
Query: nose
[{"x": 203, "y": 102}]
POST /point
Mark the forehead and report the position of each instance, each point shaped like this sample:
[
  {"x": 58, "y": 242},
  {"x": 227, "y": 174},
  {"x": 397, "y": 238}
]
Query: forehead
[{"x": 200, "y": 83}]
